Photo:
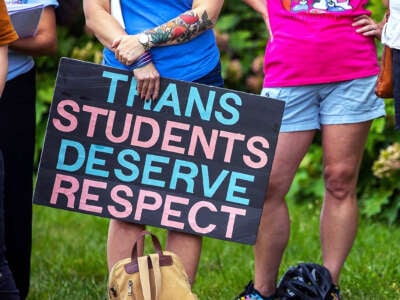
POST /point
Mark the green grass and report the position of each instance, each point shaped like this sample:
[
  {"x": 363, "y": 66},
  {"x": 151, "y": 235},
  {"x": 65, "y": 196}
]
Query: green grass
[{"x": 69, "y": 250}]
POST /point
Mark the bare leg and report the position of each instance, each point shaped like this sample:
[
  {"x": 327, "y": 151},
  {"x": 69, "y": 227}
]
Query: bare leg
[
  {"x": 121, "y": 236},
  {"x": 343, "y": 147},
  {"x": 188, "y": 249},
  {"x": 273, "y": 233}
]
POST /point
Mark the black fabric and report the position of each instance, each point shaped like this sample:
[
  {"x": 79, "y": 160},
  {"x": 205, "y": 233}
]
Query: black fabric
[
  {"x": 2, "y": 239},
  {"x": 17, "y": 138},
  {"x": 8, "y": 290}
]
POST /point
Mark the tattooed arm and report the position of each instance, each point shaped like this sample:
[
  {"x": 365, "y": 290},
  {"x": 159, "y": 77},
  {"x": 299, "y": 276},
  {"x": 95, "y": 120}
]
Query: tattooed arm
[
  {"x": 202, "y": 16},
  {"x": 128, "y": 49}
]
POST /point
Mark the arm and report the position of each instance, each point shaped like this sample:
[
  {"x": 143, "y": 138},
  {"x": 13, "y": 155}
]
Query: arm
[
  {"x": 3, "y": 66},
  {"x": 368, "y": 27},
  {"x": 188, "y": 25},
  {"x": 45, "y": 40},
  {"x": 128, "y": 49},
  {"x": 98, "y": 16},
  {"x": 260, "y": 6}
]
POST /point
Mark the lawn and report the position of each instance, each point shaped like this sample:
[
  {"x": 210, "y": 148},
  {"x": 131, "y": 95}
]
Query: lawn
[{"x": 68, "y": 258}]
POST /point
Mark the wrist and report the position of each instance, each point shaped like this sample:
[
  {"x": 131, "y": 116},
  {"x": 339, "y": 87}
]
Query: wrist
[
  {"x": 145, "y": 40},
  {"x": 142, "y": 61}
]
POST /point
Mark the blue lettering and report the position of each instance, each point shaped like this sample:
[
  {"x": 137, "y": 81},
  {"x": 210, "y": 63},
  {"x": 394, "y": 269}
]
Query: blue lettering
[
  {"x": 209, "y": 190},
  {"x": 169, "y": 98},
  {"x": 233, "y": 187},
  {"x": 115, "y": 77},
  {"x": 186, "y": 177},
  {"x": 228, "y": 108},
  {"x": 80, "y": 156},
  {"x": 194, "y": 98},
  {"x": 134, "y": 170},
  {"x": 149, "y": 168},
  {"x": 132, "y": 93},
  {"x": 92, "y": 160}
]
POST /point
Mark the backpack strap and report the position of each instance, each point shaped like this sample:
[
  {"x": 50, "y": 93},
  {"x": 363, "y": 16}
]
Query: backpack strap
[
  {"x": 144, "y": 277},
  {"x": 155, "y": 261}
]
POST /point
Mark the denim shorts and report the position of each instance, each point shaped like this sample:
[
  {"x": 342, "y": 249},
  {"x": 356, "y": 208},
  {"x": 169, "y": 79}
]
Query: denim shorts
[
  {"x": 310, "y": 106},
  {"x": 213, "y": 78}
]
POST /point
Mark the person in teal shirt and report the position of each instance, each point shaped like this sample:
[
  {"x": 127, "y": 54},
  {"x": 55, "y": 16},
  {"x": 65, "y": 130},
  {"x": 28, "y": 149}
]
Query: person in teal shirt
[{"x": 172, "y": 39}]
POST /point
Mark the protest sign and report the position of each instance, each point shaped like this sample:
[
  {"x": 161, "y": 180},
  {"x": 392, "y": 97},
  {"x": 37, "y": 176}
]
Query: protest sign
[{"x": 195, "y": 160}]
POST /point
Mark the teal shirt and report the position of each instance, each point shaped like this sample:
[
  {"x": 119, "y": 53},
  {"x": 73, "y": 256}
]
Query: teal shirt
[{"x": 188, "y": 61}]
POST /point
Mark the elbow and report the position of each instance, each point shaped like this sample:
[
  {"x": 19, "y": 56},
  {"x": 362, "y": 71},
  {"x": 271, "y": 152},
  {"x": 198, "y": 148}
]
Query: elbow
[
  {"x": 49, "y": 47},
  {"x": 52, "y": 48},
  {"x": 89, "y": 24}
]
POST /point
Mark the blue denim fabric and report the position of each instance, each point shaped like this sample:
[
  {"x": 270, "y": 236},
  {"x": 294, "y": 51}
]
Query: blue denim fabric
[
  {"x": 213, "y": 78},
  {"x": 310, "y": 106},
  {"x": 396, "y": 84}
]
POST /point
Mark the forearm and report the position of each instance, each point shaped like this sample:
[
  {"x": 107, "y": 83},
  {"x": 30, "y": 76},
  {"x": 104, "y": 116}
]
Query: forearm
[
  {"x": 188, "y": 25},
  {"x": 98, "y": 16},
  {"x": 260, "y": 6},
  {"x": 45, "y": 40},
  {"x": 3, "y": 67}
]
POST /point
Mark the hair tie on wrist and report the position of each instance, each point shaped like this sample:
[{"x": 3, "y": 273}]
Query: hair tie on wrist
[{"x": 142, "y": 61}]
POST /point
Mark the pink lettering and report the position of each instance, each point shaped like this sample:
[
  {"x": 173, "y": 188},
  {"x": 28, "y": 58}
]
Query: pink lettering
[
  {"x": 263, "y": 158},
  {"x": 193, "y": 213},
  {"x": 232, "y": 137},
  {"x": 208, "y": 148},
  {"x": 69, "y": 192},
  {"x": 232, "y": 211},
  {"x": 127, "y": 206},
  {"x": 136, "y": 132},
  {"x": 169, "y": 137},
  {"x": 168, "y": 211},
  {"x": 110, "y": 126},
  {"x": 73, "y": 122},
  {"x": 142, "y": 205},
  {"x": 85, "y": 196},
  {"x": 94, "y": 113}
]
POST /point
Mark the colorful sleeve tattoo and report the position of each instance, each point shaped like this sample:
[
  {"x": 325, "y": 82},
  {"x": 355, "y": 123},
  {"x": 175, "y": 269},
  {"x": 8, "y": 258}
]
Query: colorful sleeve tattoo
[{"x": 181, "y": 29}]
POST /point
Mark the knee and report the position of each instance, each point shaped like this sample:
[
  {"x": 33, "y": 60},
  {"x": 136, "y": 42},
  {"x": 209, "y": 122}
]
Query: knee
[
  {"x": 340, "y": 181},
  {"x": 277, "y": 188}
]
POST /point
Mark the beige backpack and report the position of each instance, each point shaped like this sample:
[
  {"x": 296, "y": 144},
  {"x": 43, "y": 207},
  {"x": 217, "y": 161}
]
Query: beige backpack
[{"x": 156, "y": 276}]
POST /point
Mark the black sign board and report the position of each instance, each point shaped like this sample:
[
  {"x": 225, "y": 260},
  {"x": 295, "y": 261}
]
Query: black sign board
[{"x": 196, "y": 160}]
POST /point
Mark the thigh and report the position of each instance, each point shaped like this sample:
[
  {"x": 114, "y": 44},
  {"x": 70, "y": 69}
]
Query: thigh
[{"x": 290, "y": 150}]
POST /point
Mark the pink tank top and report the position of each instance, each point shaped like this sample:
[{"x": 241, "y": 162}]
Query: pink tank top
[{"x": 313, "y": 42}]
